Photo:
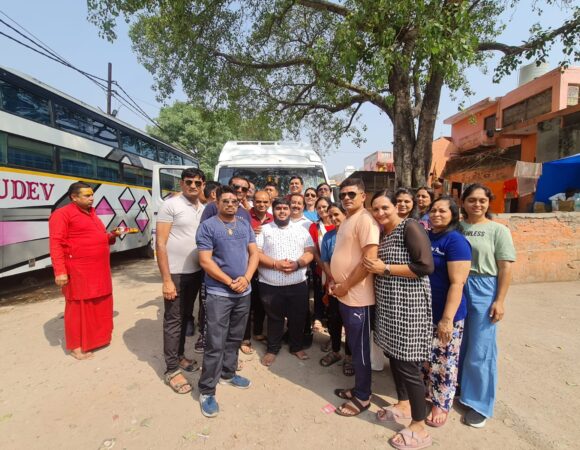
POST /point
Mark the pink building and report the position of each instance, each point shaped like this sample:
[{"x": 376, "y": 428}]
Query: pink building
[
  {"x": 381, "y": 161},
  {"x": 497, "y": 140}
]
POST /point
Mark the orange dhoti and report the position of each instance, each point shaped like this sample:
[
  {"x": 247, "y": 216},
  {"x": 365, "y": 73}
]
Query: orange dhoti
[{"x": 88, "y": 324}]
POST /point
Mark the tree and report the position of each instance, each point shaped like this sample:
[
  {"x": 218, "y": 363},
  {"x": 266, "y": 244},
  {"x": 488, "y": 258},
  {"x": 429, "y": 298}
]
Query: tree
[
  {"x": 313, "y": 63},
  {"x": 205, "y": 131}
]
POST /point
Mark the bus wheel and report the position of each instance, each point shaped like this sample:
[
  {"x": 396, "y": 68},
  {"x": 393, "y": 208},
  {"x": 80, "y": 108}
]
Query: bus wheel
[{"x": 147, "y": 252}]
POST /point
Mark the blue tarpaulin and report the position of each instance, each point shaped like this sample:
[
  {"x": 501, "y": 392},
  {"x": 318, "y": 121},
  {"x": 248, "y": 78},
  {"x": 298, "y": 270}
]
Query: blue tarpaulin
[{"x": 558, "y": 176}]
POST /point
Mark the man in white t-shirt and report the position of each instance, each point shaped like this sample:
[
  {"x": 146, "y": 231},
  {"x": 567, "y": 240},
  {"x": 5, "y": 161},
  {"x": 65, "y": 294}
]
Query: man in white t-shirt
[
  {"x": 286, "y": 249},
  {"x": 297, "y": 211},
  {"x": 178, "y": 261}
]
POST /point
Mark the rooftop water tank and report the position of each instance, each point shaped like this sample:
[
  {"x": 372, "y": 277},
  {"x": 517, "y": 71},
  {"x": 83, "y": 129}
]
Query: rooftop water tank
[{"x": 531, "y": 72}]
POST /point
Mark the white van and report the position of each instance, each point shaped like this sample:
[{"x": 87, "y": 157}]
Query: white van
[{"x": 270, "y": 161}]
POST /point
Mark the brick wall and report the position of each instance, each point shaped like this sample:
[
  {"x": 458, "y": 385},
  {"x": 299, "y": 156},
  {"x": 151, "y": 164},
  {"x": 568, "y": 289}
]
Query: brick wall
[{"x": 547, "y": 245}]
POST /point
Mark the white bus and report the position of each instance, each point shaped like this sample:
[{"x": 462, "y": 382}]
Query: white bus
[
  {"x": 262, "y": 162},
  {"x": 49, "y": 140}
]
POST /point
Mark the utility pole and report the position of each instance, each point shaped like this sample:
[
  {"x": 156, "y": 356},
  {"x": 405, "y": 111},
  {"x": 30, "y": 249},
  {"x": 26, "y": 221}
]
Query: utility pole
[{"x": 109, "y": 88}]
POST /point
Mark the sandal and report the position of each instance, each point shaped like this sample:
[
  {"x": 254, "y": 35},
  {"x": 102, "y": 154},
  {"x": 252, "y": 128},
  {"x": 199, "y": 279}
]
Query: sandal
[
  {"x": 246, "y": 348},
  {"x": 177, "y": 387},
  {"x": 191, "y": 366},
  {"x": 268, "y": 359},
  {"x": 391, "y": 414},
  {"x": 431, "y": 421},
  {"x": 352, "y": 408},
  {"x": 411, "y": 440},
  {"x": 345, "y": 394},
  {"x": 330, "y": 359},
  {"x": 348, "y": 368},
  {"x": 327, "y": 346},
  {"x": 301, "y": 355}
]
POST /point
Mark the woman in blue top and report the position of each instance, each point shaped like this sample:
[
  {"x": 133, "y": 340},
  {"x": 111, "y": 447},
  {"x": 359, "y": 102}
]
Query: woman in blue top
[
  {"x": 493, "y": 253},
  {"x": 452, "y": 258}
]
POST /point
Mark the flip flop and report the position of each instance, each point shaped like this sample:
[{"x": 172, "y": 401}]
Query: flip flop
[
  {"x": 248, "y": 348},
  {"x": 302, "y": 357},
  {"x": 348, "y": 406},
  {"x": 330, "y": 359},
  {"x": 433, "y": 424},
  {"x": 411, "y": 440},
  {"x": 391, "y": 414}
]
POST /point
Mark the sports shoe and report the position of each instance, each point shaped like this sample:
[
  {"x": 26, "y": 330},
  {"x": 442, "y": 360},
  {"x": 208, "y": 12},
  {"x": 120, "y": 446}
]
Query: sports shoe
[
  {"x": 237, "y": 381},
  {"x": 209, "y": 406},
  {"x": 198, "y": 347},
  {"x": 474, "y": 419}
]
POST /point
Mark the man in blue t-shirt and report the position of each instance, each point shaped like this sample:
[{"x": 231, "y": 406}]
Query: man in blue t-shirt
[{"x": 229, "y": 257}]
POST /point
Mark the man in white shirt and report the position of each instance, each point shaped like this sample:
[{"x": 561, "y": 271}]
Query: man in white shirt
[
  {"x": 286, "y": 249},
  {"x": 178, "y": 261},
  {"x": 297, "y": 211}
]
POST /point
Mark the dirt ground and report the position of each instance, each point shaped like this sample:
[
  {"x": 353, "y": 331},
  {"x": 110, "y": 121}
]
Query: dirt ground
[{"x": 118, "y": 400}]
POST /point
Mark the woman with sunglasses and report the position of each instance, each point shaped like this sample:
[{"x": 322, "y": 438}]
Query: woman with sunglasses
[
  {"x": 310, "y": 205},
  {"x": 406, "y": 204},
  {"x": 403, "y": 318},
  {"x": 452, "y": 258},
  {"x": 319, "y": 275},
  {"x": 486, "y": 289}
]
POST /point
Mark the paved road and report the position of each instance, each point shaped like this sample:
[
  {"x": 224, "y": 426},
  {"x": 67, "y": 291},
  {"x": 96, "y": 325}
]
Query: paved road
[{"x": 49, "y": 400}]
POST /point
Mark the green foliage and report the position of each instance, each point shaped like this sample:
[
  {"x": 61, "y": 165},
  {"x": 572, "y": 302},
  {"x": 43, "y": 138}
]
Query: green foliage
[
  {"x": 204, "y": 131},
  {"x": 309, "y": 65}
]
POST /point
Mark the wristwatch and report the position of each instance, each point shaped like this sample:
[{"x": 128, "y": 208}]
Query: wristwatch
[{"x": 387, "y": 271}]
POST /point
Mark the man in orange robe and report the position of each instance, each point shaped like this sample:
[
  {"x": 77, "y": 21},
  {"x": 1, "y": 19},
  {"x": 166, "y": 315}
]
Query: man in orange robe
[{"x": 79, "y": 249}]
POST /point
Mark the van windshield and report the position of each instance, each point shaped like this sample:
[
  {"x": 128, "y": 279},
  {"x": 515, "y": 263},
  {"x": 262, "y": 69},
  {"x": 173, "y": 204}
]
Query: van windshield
[{"x": 312, "y": 176}]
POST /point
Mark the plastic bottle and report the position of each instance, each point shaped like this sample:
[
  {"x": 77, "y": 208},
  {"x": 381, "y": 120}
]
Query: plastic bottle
[{"x": 577, "y": 202}]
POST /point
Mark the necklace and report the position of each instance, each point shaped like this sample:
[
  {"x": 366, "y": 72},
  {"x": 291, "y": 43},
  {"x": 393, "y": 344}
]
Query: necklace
[{"x": 230, "y": 231}]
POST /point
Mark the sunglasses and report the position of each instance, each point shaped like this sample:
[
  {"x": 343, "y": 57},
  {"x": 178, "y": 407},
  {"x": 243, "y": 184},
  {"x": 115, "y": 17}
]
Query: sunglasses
[
  {"x": 230, "y": 202},
  {"x": 310, "y": 194},
  {"x": 235, "y": 187},
  {"x": 323, "y": 189},
  {"x": 350, "y": 195},
  {"x": 197, "y": 183}
]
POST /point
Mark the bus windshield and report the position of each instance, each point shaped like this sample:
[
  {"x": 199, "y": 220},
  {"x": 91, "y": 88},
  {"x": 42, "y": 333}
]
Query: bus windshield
[{"x": 312, "y": 176}]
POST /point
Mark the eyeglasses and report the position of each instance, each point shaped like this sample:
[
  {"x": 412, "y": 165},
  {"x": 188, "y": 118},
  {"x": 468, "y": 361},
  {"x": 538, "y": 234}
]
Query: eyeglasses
[
  {"x": 310, "y": 194},
  {"x": 323, "y": 189},
  {"x": 197, "y": 183},
  {"x": 230, "y": 202},
  {"x": 350, "y": 195},
  {"x": 235, "y": 187}
]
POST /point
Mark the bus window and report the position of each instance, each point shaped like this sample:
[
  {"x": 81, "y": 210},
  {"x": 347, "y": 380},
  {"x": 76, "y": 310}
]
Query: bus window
[
  {"x": 147, "y": 150},
  {"x": 24, "y": 104},
  {"x": 77, "y": 123},
  {"x": 132, "y": 175},
  {"x": 77, "y": 163},
  {"x": 108, "y": 170},
  {"x": 29, "y": 154},
  {"x": 169, "y": 158},
  {"x": 147, "y": 178}
]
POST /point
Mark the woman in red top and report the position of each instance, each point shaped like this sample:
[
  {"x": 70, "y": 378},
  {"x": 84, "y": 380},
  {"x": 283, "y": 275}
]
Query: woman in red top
[{"x": 317, "y": 231}]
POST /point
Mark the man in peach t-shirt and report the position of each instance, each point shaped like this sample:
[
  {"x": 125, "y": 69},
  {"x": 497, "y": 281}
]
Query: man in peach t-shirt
[{"x": 357, "y": 237}]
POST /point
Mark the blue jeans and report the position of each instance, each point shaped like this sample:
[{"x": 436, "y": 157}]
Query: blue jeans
[
  {"x": 357, "y": 324},
  {"x": 479, "y": 347},
  {"x": 225, "y": 325}
]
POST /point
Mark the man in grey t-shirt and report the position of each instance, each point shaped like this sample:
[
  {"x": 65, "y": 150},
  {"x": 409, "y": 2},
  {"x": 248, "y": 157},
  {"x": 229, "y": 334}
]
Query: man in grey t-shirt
[{"x": 178, "y": 261}]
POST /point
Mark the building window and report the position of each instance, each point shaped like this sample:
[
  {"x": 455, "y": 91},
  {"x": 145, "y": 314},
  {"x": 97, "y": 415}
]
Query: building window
[
  {"x": 24, "y": 104},
  {"x": 77, "y": 164},
  {"x": 531, "y": 107},
  {"x": 489, "y": 123},
  {"x": 573, "y": 94},
  {"x": 29, "y": 154}
]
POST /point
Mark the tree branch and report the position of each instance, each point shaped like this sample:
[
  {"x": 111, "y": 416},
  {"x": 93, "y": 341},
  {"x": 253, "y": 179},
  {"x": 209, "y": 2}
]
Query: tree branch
[
  {"x": 262, "y": 65},
  {"x": 510, "y": 50},
  {"x": 322, "y": 5}
]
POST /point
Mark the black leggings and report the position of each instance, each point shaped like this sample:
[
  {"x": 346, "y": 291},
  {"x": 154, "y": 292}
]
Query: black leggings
[
  {"x": 410, "y": 386},
  {"x": 335, "y": 326}
]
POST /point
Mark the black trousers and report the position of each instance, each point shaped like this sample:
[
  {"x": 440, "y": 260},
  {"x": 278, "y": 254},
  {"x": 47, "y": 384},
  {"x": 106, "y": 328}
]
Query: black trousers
[
  {"x": 335, "y": 326},
  {"x": 410, "y": 386},
  {"x": 257, "y": 313},
  {"x": 282, "y": 302},
  {"x": 176, "y": 314}
]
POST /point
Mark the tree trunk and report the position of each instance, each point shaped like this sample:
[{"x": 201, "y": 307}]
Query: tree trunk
[
  {"x": 403, "y": 128},
  {"x": 424, "y": 146}
]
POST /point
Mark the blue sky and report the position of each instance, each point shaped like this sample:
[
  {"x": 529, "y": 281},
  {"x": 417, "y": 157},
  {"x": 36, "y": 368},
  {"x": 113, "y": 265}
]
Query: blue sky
[{"x": 62, "y": 25}]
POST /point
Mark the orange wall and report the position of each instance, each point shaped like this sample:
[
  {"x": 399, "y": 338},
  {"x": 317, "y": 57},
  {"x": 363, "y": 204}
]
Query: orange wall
[
  {"x": 442, "y": 149},
  {"x": 529, "y": 145},
  {"x": 471, "y": 124},
  {"x": 547, "y": 246}
]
